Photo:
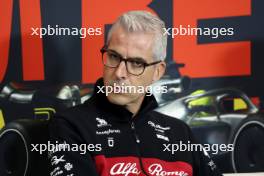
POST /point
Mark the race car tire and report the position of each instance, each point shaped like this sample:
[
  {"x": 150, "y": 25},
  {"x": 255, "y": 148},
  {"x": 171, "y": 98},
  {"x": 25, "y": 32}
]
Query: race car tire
[{"x": 248, "y": 143}]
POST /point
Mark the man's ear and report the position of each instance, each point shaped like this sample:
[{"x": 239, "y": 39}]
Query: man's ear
[{"x": 159, "y": 71}]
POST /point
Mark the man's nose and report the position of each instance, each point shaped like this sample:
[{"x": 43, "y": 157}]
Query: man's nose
[{"x": 121, "y": 71}]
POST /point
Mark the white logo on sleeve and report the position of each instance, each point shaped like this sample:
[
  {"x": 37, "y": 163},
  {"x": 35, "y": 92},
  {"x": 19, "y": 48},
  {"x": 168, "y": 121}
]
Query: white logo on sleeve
[
  {"x": 68, "y": 166},
  {"x": 101, "y": 122},
  {"x": 55, "y": 160},
  {"x": 211, "y": 163},
  {"x": 56, "y": 171}
]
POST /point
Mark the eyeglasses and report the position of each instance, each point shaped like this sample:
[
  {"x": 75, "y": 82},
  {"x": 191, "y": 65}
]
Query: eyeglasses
[{"x": 135, "y": 66}]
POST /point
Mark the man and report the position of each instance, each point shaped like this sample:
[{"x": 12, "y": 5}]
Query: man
[{"x": 121, "y": 133}]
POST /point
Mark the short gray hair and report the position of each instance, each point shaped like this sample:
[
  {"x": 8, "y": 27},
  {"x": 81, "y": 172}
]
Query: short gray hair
[{"x": 144, "y": 21}]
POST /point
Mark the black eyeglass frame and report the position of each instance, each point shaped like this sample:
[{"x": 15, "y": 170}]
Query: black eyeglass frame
[{"x": 105, "y": 49}]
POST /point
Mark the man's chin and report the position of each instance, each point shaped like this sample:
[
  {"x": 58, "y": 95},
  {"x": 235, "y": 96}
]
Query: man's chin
[{"x": 118, "y": 99}]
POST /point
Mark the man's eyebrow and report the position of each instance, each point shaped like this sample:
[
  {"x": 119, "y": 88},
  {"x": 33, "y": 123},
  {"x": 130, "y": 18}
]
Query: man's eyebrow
[
  {"x": 138, "y": 59},
  {"x": 115, "y": 52}
]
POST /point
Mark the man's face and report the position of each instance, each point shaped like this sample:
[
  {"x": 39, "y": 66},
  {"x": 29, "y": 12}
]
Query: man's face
[{"x": 131, "y": 45}]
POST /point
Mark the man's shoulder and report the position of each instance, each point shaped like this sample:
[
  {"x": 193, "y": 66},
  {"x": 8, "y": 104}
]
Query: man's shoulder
[{"x": 79, "y": 113}]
